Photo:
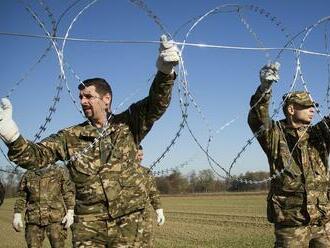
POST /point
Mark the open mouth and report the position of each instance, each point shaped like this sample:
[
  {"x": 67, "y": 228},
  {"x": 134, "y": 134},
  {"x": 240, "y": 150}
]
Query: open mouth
[
  {"x": 85, "y": 107},
  {"x": 87, "y": 110}
]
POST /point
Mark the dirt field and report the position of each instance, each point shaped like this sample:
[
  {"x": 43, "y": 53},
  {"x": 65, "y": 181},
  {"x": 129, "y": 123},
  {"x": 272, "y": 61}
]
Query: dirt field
[{"x": 224, "y": 220}]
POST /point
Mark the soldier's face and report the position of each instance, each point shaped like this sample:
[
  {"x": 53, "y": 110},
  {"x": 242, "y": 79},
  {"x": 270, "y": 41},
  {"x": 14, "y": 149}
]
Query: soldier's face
[
  {"x": 95, "y": 107},
  {"x": 139, "y": 155},
  {"x": 302, "y": 114}
]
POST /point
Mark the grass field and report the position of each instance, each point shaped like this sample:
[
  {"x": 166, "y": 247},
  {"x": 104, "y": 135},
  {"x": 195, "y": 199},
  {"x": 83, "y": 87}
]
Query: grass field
[{"x": 223, "y": 220}]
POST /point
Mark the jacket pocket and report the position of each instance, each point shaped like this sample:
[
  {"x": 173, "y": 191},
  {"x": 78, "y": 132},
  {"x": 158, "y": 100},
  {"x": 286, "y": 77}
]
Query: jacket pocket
[
  {"x": 56, "y": 212},
  {"x": 32, "y": 215},
  {"x": 286, "y": 210}
]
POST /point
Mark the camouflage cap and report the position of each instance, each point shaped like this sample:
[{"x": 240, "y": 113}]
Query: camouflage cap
[{"x": 300, "y": 97}]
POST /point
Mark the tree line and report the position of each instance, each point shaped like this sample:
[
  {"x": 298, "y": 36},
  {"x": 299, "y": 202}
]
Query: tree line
[
  {"x": 203, "y": 181},
  {"x": 10, "y": 181},
  {"x": 206, "y": 182}
]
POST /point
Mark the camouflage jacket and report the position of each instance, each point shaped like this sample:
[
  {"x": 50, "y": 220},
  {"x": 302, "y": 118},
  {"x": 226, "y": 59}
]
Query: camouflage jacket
[
  {"x": 2, "y": 193},
  {"x": 300, "y": 195},
  {"x": 45, "y": 194},
  {"x": 153, "y": 193},
  {"x": 106, "y": 175}
]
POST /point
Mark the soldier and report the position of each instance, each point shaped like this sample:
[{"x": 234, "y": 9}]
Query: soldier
[
  {"x": 153, "y": 202},
  {"x": 2, "y": 193},
  {"x": 101, "y": 156},
  {"x": 297, "y": 153},
  {"x": 47, "y": 196}
]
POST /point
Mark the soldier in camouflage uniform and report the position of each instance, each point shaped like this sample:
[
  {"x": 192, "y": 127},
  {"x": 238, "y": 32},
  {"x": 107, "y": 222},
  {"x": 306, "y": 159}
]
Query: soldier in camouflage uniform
[
  {"x": 2, "y": 193},
  {"x": 110, "y": 191},
  {"x": 153, "y": 204},
  {"x": 298, "y": 200},
  {"x": 47, "y": 196}
]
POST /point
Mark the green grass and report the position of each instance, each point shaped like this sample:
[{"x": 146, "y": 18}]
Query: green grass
[{"x": 224, "y": 220}]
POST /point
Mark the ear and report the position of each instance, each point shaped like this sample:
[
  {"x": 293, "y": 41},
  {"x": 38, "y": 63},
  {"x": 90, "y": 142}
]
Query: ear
[
  {"x": 290, "y": 109},
  {"x": 107, "y": 99}
]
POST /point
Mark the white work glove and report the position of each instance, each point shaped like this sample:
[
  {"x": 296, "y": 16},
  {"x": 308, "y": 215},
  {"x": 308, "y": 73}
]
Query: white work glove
[
  {"x": 269, "y": 74},
  {"x": 68, "y": 219},
  {"x": 17, "y": 222},
  {"x": 168, "y": 55},
  {"x": 8, "y": 128},
  {"x": 160, "y": 217}
]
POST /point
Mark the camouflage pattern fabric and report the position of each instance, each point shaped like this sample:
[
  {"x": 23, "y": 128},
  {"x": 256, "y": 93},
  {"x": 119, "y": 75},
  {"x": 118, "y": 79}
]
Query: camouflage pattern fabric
[
  {"x": 311, "y": 236},
  {"x": 45, "y": 194},
  {"x": 153, "y": 204},
  {"x": 153, "y": 192},
  {"x": 148, "y": 227},
  {"x": 300, "y": 195},
  {"x": 35, "y": 235},
  {"x": 300, "y": 97},
  {"x": 106, "y": 175},
  {"x": 2, "y": 193},
  {"x": 126, "y": 231}
]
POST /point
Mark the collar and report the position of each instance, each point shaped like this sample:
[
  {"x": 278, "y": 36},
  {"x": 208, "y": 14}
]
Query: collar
[
  {"x": 43, "y": 170},
  {"x": 288, "y": 129},
  {"x": 90, "y": 131}
]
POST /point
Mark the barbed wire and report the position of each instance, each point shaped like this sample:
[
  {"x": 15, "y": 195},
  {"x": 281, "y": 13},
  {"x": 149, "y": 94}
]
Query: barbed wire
[
  {"x": 56, "y": 98},
  {"x": 173, "y": 169},
  {"x": 185, "y": 95},
  {"x": 210, "y": 159},
  {"x": 298, "y": 72},
  {"x": 141, "y": 42}
]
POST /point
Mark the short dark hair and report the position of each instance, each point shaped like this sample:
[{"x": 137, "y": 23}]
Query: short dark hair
[
  {"x": 285, "y": 109},
  {"x": 140, "y": 147},
  {"x": 101, "y": 85}
]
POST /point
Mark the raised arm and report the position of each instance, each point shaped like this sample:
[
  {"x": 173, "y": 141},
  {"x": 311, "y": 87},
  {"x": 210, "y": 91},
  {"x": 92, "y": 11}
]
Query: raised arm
[
  {"x": 258, "y": 118},
  {"x": 31, "y": 155},
  {"x": 143, "y": 114},
  {"x": 323, "y": 130},
  {"x": 23, "y": 152}
]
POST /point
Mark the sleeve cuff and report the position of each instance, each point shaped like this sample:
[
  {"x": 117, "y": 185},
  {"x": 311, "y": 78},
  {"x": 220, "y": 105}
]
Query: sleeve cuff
[
  {"x": 20, "y": 141},
  {"x": 166, "y": 77}
]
